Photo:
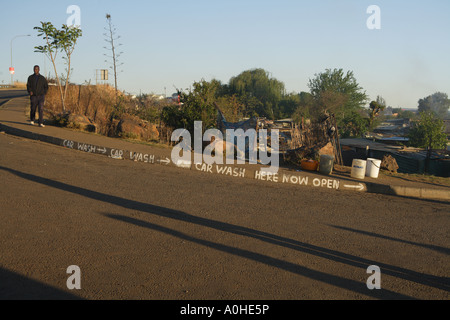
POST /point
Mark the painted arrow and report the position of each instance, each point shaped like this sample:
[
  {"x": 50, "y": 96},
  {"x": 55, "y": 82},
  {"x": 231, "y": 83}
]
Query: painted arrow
[
  {"x": 359, "y": 187},
  {"x": 166, "y": 161},
  {"x": 102, "y": 150}
]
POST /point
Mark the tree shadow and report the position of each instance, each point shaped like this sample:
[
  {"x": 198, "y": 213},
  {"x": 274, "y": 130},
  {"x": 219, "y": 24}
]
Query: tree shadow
[
  {"x": 376, "y": 235},
  {"x": 14, "y": 286},
  {"x": 337, "y": 281},
  {"x": 333, "y": 255}
]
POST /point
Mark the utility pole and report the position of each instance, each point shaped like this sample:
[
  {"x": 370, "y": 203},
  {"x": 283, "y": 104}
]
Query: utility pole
[{"x": 11, "y": 67}]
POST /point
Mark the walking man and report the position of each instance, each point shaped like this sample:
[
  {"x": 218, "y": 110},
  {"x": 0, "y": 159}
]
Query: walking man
[{"x": 37, "y": 87}]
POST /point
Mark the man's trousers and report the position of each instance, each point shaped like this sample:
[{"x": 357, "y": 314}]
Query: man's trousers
[{"x": 37, "y": 103}]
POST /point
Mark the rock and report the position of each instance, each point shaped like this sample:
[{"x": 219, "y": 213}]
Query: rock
[
  {"x": 129, "y": 129},
  {"x": 328, "y": 149},
  {"x": 133, "y": 127},
  {"x": 389, "y": 163},
  {"x": 150, "y": 131},
  {"x": 80, "y": 122},
  {"x": 76, "y": 118},
  {"x": 75, "y": 121}
]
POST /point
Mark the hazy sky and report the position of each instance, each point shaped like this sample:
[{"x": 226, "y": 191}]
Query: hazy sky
[{"x": 169, "y": 44}]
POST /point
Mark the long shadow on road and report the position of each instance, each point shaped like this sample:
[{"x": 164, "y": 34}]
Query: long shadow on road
[
  {"x": 376, "y": 235},
  {"x": 337, "y": 281},
  {"x": 14, "y": 286},
  {"x": 333, "y": 255}
]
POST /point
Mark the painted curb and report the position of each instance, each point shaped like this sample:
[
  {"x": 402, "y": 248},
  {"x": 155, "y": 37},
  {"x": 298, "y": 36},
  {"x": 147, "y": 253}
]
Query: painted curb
[{"x": 283, "y": 176}]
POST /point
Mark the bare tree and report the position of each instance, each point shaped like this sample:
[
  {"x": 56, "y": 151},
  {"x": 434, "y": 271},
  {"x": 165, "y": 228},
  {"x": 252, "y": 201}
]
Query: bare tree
[{"x": 111, "y": 38}]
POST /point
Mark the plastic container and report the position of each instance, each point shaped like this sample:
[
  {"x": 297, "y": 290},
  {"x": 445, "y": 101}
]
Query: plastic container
[
  {"x": 326, "y": 164},
  {"x": 310, "y": 165},
  {"x": 373, "y": 167},
  {"x": 358, "y": 169}
]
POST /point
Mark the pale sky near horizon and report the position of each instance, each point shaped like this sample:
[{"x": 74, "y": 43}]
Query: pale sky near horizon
[{"x": 175, "y": 43}]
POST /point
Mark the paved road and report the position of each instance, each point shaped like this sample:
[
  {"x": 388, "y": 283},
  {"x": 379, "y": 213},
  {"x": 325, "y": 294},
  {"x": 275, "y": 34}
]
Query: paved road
[
  {"x": 8, "y": 94},
  {"x": 140, "y": 231}
]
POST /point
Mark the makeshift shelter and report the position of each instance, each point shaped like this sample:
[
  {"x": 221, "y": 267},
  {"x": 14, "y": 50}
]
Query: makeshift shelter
[
  {"x": 296, "y": 140},
  {"x": 312, "y": 139}
]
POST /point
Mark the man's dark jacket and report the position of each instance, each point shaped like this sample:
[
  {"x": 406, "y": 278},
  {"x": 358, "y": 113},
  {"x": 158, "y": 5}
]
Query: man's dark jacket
[{"x": 37, "y": 84}]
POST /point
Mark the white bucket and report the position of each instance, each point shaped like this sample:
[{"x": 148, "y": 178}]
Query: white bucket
[
  {"x": 358, "y": 168},
  {"x": 373, "y": 167}
]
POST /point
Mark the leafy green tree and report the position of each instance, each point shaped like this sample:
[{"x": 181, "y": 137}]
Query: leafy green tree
[
  {"x": 381, "y": 102},
  {"x": 253, "y": 106},
  {"x": 231, "y": 107},
  {"x": 337, "y": 92},
  {"x": 257, "y": 89},
  {"x": 406, "y": 114},
  {"x": 438, "y": 102},
  {"x": 353, "y": 125},
  {"x": 375, "y": 107},
  {"x": 196, "y": 105},
  {"x": 428, "y": 132},
  {"x": 173, "y": 116},
  {"x": 55, "y": 41},
  {"x": 287, "y": 106},
  {"x": 305, "y": 107},
  {"x": 68, "y": 37}
]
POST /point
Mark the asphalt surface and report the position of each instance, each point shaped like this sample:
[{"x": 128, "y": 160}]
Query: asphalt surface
[
  {"x": 8, "y": 94},
  {"x": 142, "y": 231},
  {"x": 151, "y": 232}
]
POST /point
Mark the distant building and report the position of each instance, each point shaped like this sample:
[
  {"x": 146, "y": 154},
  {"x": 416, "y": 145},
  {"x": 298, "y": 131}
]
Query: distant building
[
  {"x": 393, "y": 127},
  {"x": 157, "y": 96},
  {"x": 387, "y": 112}
]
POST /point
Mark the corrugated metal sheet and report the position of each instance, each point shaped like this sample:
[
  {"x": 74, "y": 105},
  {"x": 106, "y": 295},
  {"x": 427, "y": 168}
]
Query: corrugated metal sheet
[
  {"x": 440, "y": 168},
  {"x": 412, "y": 162}
]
